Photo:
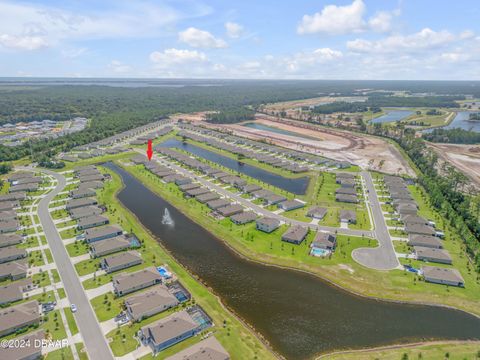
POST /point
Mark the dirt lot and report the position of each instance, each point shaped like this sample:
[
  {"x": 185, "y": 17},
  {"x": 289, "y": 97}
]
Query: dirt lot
[
  {"x": 286, "y": 105},
  {"x": 365, "y": 151},
  {"x": 465, "y": 158}
]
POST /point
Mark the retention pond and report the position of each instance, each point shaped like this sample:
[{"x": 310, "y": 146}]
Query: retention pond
[
  {"x": 299, "y": 314},
  {"x": 294, "y": 185}
]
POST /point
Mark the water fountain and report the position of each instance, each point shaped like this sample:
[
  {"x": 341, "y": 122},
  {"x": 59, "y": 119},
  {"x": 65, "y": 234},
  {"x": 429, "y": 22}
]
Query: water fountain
[{"x": 167, "y": 219}]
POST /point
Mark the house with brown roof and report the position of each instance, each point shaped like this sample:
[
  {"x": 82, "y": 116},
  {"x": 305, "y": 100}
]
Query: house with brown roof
[
  {"x": 295, "y": 234},
  {"x": 425, "y": 241},
  {"x": 30, "y": 350},
  {"x": 18, "y": 317},
  {"x": 432, "y": 254},
  {"x": 14, "y": 291},
  {"x": 14, "y": 270},
  {"x": 127, "y": 283},
  {"x": 148, "y": 303},
  {"x": 444, "y": 276}
]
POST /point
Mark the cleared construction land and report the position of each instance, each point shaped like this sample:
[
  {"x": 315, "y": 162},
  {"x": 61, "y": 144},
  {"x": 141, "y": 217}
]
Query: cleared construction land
[{"x": 368, "y": 152}]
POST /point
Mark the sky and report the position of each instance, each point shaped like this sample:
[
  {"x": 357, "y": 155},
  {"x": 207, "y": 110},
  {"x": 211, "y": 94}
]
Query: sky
[{"x": 266, "y": 39}]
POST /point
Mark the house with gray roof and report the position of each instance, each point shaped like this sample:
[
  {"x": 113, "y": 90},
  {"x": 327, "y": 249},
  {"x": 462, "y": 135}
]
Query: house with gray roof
[
  {"x": 92, "y": 221},
  {"x": 102, "y": 233},
  {"x": 19, "y": 317},
  {"x": 82, "y": 193},
  {"x": 90, "y": 185},
  {"x": 169, "y": 331},
  {"x": 243, "y": 217},
  {"x": 207, "y": 349},
  {"x": 9, "y": 226},
  {"x": 78, "y": 203},
  {"x": 210, "y": 196},
  {"x": 127, "y": 283},
  {"x": 444, "y": 276},
  {"x": 295, "y": 234},
  {"x": 273, "y": 199},
  {"x": 196, "y": 191},
  {"x": 10, "y": 239},
  {"x": 267, "y": 224},
  {"x": 348, "y": 216},
  {"x": 249, "y": 188},
  {"x": 324, "y": 240},
  {"x": 425, "y": 241},
  {"x": 14, "y": 291},
  {"x": 317, "y": 212},
  {"x": 30, "y": 350},
  {"x": 189, "y": 186},
  {"x": 216, "y": 204},
  {"x": 23, "y": 187},
  {"x": 109, "y": 246},
  {"x": 433, "y": 255},
  {"x": 85, "y": 211},
  {"x": 10, "y": 253},
  {"x": 419, "y": 229},
  {"x": 8, "y": 215},
  {"x": 346, "y": 198},
  {"x": 120, "y": 261},
  {"x": 8, "y": 205},
  {"x": 97, "y": 177},
  {"x": 14, "y": 270},
  {"x": 346, "y": 190},
  {"x": 230, "y": 210},
  {"x": 150, "y": 302},
  {"x": 291, "y": 205}
]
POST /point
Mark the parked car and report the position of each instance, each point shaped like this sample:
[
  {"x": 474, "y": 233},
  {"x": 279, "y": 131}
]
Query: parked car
[{"x": 73, "y": 307}]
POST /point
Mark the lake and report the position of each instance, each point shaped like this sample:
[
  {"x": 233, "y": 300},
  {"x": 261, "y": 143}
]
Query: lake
[
  {"x": 392, "y": 116},
  {"x": 294, "y": 185},
  {"x": 299, "y": 314},
  {"x": 462, "y": 121}
]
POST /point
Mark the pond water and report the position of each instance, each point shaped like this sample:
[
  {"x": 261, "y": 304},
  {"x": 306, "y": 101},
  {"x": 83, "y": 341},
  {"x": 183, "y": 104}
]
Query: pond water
[
  {"x": 294, "y": 185},
  {"x": 299, "y": 314},
  {"x": 392, "y": 116}
]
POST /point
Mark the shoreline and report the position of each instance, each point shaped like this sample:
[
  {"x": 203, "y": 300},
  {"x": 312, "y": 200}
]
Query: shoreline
[{"x": 284, "y": 267}]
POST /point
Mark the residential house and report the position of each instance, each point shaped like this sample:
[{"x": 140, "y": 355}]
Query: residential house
[
  {"x": 267, "y": 224},
  {"x": 121, "y": 261},
  {"x": 207, "y": 349},
  {"x": 9, "y": 226},
  {"x": 216, "y": 204},
  {"x": 78, "y": 203},
  {"x": 317, "y": 212},
  {"x": 425, "y": 241},
  {"x": 102, "y": 233},
  {"x": 444, "y": 276},
  {"x": 210, "y": 196},
  {"x": 151, "y": 302},
  {"x": 14, "y": 291},
  {"x": 82, "y": 193},
  {"x": 324, "y": 240},
  {"x": 14, "y": 270},
  {"x": 30, "y": 350},
  {"x": 230, "y": 210},
  {"x": 109, "y": 246},
  {"x": 291, "y": 205},
  {"x": 18, "y": 317},
  {"x": 92, "y": 221},
  {"x": 346, "y": 198},
  {"x": 10, "y": 239},
  {"x": 348, "y": 216},
  {"x": 432, "y": 255},
  {"x": 243, "y": 217},
  {"x": 86, "y": 211},
  {"x": 127, "y": 283},
  {"x": 10, "y": 253},
  {"x": 295, "y": 234}
]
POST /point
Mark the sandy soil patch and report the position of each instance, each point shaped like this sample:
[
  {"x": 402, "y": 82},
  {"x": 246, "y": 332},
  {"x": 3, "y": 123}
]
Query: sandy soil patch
[{"x": 466, "y": 158}]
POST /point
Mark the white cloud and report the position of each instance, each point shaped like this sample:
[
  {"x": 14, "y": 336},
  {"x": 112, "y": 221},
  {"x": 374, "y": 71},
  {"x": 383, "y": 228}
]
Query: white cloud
[
  {"x": 72, "y": 53},
  {"x": 234, "y": 30},
  {"x": 382, "y": 21},
  {"x": 119, "y": 67},
  {"x": 200, "y": 39},
  {"x": 424, "y": 39},
  {"x": 335, "y": 19},
  {"x": 170, "y": 57},
  {"x": 34, "y": 25},
  {"x": 23, "y": 42}
]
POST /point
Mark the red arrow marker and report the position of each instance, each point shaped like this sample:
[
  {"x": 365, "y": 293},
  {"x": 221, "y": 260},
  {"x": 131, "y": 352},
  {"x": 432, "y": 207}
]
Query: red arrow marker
[{"x": 149, "y": 150}]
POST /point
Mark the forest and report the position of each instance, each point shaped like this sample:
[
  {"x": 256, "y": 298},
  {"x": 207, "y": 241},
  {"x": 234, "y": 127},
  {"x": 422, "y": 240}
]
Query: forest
[
  {"x": 231, "y": 116},
  {"x": 453, "y": 136}
]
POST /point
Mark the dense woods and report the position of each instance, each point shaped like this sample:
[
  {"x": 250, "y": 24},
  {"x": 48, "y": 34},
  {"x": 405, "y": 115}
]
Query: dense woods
[
  {"x": 454, "y": 136},
  {"x": 231, "y": 116}
]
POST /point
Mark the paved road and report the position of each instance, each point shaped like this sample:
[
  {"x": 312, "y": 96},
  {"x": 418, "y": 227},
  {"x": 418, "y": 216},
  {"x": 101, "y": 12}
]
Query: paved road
[
  {"x": 95, "y": 343},
  {"x": 382, "y": 257},
  {"x": 258, "y": 209}
]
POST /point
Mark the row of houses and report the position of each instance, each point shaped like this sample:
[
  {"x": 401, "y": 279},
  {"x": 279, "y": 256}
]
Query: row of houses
[
  {"x": 423, "y": 237},
  {"x": 347, "y": 192},
  {"x": 257, "y": 148}
]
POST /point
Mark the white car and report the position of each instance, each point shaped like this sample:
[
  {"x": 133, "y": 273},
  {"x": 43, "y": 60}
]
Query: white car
[{"x": 73, "y": 307}]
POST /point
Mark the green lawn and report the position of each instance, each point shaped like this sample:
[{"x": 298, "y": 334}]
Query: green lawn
[
  {"x": 59, "y": 214},
  {"x": 106, "y": 306},
  {"x": 55, "y": 276},
  {"x": 41, "y": 279},
  {"x": 77, "y": 248},
  {"x": 87, "y": 266},
  {"x": 48, "y": 255},
  {"x": 52, "y": 324},
  {"x": 82, "y": 353},
  {"x": 35, "y": 258},
  {"x": 30, "y": 242},
  {"x": 69, "y": 233},
  {"x": 72, "y": 324},
  {"x": 61, "y": 293},
  {"x": 64, "y": 353}
]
